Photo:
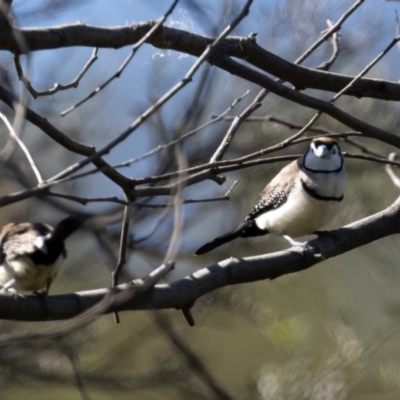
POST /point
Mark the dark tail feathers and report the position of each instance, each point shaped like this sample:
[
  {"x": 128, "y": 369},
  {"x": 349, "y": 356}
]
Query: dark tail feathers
[
  {"x": 247, "y": 229},
  {"x": 67, "y": 226}
]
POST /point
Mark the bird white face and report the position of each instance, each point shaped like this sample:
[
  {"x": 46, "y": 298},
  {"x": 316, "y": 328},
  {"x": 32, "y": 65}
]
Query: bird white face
[
  {"x": 40, "y": 242},
  {"x": 323, "y": 156}
]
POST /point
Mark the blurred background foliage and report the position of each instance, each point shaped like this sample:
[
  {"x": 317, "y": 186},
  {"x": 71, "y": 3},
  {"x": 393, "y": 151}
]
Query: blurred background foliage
[{"x": 331, "y": 332}]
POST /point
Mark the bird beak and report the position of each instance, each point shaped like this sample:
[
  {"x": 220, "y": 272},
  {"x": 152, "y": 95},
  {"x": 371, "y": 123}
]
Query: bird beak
[{"x": 321, "y": 151}]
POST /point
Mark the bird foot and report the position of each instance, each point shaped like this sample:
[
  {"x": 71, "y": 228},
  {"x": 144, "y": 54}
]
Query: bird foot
[
  {"x": 11, "y": 290},
  {"x": 295, "y": 243},
  {"x": 40, "y": 294}
]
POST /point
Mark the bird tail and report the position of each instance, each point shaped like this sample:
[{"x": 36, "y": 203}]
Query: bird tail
[
  {"x": 67, "y": 226},
  {"x": 247, "y": 229}
]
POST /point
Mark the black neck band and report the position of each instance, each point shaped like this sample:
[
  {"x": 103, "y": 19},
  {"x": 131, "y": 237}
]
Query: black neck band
[
  {"x": 322, "y": 171},
  {"x": 315, "y": 195}
]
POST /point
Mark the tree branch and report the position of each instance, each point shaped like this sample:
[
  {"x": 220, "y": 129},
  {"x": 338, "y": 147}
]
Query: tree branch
[
  {"x": 189, "y": 43},
  {"x": 228, "y": 272}
]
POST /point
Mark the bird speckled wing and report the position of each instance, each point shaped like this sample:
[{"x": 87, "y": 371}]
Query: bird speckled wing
[{"x": 276, "y": 193}]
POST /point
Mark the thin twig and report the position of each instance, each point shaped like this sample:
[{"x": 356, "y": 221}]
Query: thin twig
[
  {"x": 366, "y": 69},
  {"x": 397, "y": 26},
  {"x": 185, "y": 201},
  {"x": 122, "y": 252},
  {"x": 126, "y": 62},
  {"x": 156, "y": 227},
  {"x": 57, "y": 87},
  {"x": 237, "y": 122},
  {"x": 325, "y": 66},
  {"x": 329, "y": 32},
  {"x": 306, "y": 127},
  {"x": 160, "y": 147},
  {"x": 345, "y": 89},
  {"x": 229, "y": 191},
  {"x": 292, "y": 125},
  {"x": 23, "y": 148},
  {"x": 214, "y": 119},
  {"x": 371, "y": 158},
  {"x": 86, "y": 200},
  {"x": 363, "y": 148}
]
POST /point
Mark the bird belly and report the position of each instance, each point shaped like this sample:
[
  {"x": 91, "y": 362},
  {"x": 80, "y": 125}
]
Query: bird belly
[
  {"x": 28, "y": 276},
  {"x": 300, "y": 215}
]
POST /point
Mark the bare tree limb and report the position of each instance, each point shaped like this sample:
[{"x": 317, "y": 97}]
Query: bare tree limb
[
  {"x": 130, "y": 290},
  {"x": 185, "y": 42},
  {"x": 307, "y": 101},
  {"x": 228, "y": 272}
]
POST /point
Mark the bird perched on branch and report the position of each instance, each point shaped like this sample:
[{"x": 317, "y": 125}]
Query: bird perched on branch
[
  {"x": 301, "y": 199},
  {"x": 29, "y": 253}
]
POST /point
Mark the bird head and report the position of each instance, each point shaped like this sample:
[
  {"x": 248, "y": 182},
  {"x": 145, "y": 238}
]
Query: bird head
[{"x": 323, "y": 155}]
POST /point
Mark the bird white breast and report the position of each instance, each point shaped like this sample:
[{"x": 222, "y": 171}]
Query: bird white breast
[
  {"x": 302, "y": 214},
  {"x": 28, "y": 276}
]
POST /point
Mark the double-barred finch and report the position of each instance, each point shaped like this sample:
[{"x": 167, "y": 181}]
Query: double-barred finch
[
  {"x": 301, "y": 199},
  {"x": 29, "y": 253}
]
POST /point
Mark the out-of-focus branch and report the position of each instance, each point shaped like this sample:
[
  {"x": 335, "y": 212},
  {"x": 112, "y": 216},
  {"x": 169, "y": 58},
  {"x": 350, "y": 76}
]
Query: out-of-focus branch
[
  {"x": 389, "y": 169},
  {"x": 237, "y": 122},
  {"x": 228, "y": 272},
  {"x": 21, "y": 144}
]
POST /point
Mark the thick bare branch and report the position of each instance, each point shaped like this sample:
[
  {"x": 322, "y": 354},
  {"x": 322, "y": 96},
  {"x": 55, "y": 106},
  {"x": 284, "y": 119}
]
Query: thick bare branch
[
  {"x": 189, "y": 43},
  {"x": 308, "y": 101},
  {"x": 228, "y": 272}
]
